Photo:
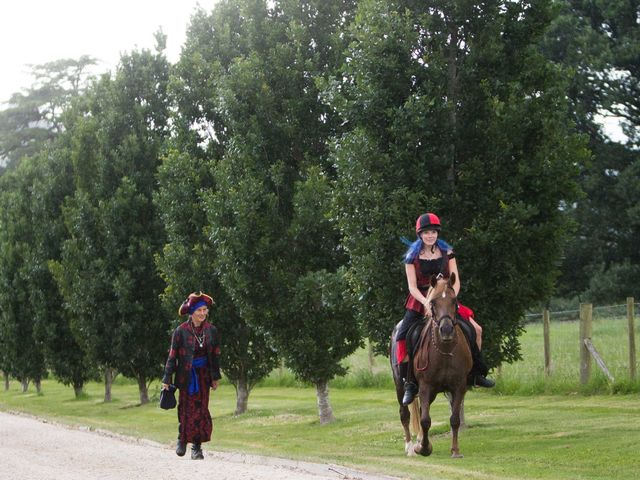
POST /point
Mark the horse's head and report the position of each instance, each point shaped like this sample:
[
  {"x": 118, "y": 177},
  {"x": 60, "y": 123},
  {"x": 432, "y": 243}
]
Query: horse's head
[{"x": 444, "y": 306}]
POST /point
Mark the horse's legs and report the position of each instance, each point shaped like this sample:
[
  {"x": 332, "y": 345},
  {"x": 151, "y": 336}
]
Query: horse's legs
[
  {"x": 456, "y": 402},
  {"x": 404, "y": 419},
  {"x": 426, "y": 399},
  {"x": 405, "y": 416}
]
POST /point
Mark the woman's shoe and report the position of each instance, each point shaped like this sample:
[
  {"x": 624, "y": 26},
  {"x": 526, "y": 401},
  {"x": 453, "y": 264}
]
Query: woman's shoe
[
  {"x": 196, "y": 452},
  {"x": 181, "y": 448}
]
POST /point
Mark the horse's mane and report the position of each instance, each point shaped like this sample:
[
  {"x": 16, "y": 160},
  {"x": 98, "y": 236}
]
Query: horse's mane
[{"x": 438, "y": 289}]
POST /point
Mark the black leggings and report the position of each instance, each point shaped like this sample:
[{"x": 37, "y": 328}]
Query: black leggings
[{"x": 411, "y": 317}]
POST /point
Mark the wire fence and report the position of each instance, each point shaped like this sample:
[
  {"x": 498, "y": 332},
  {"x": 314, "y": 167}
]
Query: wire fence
[
  {"x": 601, "y": 312},
  {"x": 556, "y": 351}
]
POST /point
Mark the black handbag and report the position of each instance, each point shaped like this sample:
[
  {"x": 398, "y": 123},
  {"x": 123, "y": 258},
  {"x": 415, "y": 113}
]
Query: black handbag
[{"x": 168, "y": 398}]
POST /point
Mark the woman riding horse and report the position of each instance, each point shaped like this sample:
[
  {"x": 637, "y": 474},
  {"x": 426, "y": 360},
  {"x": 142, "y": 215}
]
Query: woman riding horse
[{"x": 426, "y": 257}]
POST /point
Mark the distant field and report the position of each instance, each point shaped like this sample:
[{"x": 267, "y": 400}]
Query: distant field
[{"x": 610, "y": 337}]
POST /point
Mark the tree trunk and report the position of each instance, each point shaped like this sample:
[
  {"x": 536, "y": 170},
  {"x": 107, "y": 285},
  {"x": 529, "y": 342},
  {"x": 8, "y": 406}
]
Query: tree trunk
[
  {"x": 25, "y": 385},
  {"x": 371, "y": 355},
  {"x": 324, "y": 407},
  {"x": 142, "y": 388},
  {"x": 108, "y": 381},
  {"x": 77, "y": 389},
  {"x": 242, "y": 395},
  {"x": 38, "y": 384},
  {"x": 6, "y": 381}
]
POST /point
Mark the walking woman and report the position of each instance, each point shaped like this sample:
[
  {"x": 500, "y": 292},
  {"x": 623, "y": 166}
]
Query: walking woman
[{"x": 194, "y": 359}]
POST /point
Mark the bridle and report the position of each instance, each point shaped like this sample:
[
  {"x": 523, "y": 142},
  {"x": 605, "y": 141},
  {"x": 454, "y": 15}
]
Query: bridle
[{"x": 436, "y": 322}]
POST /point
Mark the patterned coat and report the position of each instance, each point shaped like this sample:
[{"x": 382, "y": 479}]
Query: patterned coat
[{"x": 180, "y": 357}]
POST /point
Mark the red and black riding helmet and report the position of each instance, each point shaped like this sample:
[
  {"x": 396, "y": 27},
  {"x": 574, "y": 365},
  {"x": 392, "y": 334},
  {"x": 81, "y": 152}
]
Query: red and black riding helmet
[{"x": 427, "y": 221}]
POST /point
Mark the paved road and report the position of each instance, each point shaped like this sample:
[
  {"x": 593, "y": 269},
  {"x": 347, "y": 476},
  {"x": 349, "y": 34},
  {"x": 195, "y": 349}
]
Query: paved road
[{"x": 32, "y": 449}]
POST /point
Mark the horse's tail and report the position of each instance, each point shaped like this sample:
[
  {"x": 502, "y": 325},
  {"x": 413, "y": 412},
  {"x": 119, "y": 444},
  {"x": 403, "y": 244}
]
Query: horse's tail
[{"x": 414, "y": 411}]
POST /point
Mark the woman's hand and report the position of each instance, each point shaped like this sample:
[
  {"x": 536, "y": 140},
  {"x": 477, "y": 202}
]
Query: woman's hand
[{"x": 427, "y": 310}]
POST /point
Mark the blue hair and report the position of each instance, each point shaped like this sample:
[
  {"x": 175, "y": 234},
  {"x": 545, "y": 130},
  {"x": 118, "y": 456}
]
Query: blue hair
[{"x": 414, "y": 248}]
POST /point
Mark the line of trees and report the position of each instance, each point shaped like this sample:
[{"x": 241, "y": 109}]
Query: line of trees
[{"x": 276, "y": 164}]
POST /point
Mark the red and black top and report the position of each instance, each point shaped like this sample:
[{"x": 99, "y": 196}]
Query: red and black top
[{"x": 425, "y": 269}]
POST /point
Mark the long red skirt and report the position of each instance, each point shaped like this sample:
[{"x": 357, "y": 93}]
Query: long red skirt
[{"x": 193, "y": 412}]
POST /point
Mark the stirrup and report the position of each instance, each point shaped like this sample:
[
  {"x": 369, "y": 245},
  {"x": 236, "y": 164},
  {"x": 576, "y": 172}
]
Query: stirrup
[{"x": 410, "y": 390}]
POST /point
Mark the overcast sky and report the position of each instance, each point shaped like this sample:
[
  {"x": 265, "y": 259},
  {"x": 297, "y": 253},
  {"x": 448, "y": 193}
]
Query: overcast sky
[{"x": 39, "y": 31}]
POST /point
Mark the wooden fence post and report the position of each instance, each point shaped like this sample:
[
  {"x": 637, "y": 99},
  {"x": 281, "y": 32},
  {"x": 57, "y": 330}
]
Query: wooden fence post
[
  {"x": 632, "y": 339},
  {"x": 547, "y": 348},
  {"x": 599, "y": 360},
  {"x": 586, "y": 315}
]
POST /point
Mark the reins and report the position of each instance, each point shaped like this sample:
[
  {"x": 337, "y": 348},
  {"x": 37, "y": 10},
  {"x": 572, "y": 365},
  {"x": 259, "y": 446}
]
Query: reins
[{"x": 430, "y": 326}]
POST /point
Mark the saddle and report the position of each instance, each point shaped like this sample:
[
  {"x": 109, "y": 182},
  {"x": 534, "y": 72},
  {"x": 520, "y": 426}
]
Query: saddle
[
  {"x": 413, "y": 336},
  {"x": 412, "y": 339},
  {"x": 468, "y": 330}
]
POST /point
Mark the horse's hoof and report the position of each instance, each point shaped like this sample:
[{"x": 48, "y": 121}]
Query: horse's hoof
[
  {"x": 410, "y": 450},
  {"x": 422, "y": 450},
  {"x": 457, "y": 455}
]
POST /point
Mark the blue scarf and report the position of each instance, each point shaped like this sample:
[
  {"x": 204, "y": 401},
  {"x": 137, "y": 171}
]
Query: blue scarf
[{"x": 199, "y": 362}]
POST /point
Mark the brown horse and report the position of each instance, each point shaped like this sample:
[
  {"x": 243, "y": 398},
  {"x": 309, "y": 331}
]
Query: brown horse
[{"x": 441, "y": 361}]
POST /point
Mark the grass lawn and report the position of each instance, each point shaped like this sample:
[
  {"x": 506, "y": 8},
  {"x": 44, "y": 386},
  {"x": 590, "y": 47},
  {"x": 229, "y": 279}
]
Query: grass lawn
[
  {"x": 529, "y": 427},
  {"x": 508, "y": 437}
]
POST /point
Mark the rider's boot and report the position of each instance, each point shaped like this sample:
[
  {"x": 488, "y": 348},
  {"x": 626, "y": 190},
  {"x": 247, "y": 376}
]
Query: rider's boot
[
  {"x": 410, "y": 388},
  {"x": 480, "y": 381},
  {"x": 478, "y": 375},
  {"x": 479, "y": 370}
]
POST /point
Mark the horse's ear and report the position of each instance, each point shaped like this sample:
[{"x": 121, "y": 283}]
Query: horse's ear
[
  {"x": 452, "y": 279},
  {"x": 434, "y": 281}
]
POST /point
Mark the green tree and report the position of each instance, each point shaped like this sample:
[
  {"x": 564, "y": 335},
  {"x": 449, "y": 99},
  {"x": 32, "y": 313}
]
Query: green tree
[
  {"x": 33, "y": 118},
  {"x": 213, "y": 41},
  {"x": 260, "y": 119},
  {"x": 187, "y": 265},
  {"x": 22, "y": 353},
  {"x": 65, "y": 358},
  {"x": 453, "y": 109},
  {"x": 107, "y": 273},
  {"x": 598, "y": 41},
  {"x": 280, "y": 190},
  {"x": 325, "y": 329}
]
